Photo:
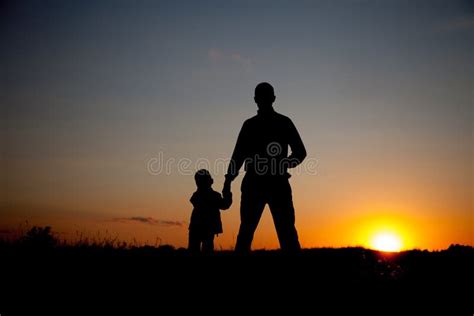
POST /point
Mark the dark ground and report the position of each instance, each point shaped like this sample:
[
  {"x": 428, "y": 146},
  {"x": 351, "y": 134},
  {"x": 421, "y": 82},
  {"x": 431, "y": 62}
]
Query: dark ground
[{"x": 39, "y": 277}]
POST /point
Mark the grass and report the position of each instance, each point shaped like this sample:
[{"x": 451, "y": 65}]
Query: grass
[{"x": 38, "y": 265}]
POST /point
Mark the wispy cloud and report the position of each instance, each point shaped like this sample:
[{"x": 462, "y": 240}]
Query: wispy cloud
[
  {"x": 217, "y": 55},
  {"x": 458, "y": 24},
  {"x": 5, "y": 232},
  {"x": 149, "y": 220}
]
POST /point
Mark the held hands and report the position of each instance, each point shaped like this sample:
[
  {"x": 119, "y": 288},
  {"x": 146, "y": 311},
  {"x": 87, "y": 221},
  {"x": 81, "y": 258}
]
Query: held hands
[
  {"x": 226, "y": 193},
  {"x": 227, "y": 185}
]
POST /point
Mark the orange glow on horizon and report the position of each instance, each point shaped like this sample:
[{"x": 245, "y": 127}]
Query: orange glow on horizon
[
  {"x": 387, "y": 242},
  {"x": 387, "y": 233}
]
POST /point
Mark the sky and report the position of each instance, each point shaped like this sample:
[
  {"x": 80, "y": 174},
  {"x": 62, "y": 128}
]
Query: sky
[{"x": 109, "y": 107}]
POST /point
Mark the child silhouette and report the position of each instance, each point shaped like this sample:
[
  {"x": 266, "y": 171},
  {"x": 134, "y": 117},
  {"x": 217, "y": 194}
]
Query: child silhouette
[{"x": 206, "y": 217}]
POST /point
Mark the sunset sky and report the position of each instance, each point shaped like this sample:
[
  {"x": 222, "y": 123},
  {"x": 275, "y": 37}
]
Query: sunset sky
[{"x": 97, "y": 95}]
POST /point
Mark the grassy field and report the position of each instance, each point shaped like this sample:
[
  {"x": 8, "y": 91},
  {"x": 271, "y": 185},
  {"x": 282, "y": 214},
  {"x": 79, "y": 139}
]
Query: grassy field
[{"x": 38, "y": 269}]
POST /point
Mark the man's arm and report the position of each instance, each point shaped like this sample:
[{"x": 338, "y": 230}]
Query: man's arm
[
  {"x": 238, "y": 156},
  {"x": 298, "y": 151},
  {"x": 194, "y": 199}
]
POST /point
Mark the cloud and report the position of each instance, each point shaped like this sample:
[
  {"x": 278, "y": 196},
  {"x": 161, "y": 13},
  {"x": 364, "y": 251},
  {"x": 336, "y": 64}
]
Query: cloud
[
  {"x": 149, "y": 220},
  {"x": 217, "y": 55},
  {"x": 458, "y": 24}
]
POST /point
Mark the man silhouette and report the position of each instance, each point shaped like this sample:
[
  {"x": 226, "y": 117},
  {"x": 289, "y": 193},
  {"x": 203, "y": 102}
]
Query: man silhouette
[{"x": 262, "y": 145}]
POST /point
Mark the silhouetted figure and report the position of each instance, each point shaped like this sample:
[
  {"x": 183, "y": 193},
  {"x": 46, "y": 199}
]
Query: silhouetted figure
[
  {"x": 206, "y": 216},
  {"x": 263, "y": 146}
]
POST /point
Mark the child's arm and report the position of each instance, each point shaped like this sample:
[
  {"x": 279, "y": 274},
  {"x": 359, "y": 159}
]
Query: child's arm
[{"x": 226, "y": 200}]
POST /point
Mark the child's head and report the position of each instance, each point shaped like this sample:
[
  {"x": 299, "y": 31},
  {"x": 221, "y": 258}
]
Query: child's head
[{"x": 203, "y": 179}]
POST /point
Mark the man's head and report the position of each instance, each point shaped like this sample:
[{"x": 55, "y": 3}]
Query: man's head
[
  {"x": 264, "y": 95},
  {"x": 203, "y": 179}
]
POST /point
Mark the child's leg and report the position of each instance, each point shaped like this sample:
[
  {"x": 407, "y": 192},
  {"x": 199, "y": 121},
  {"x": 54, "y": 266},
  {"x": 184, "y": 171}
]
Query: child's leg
[
  {"x": 194, "y": 244},
  {"x": 208, "y": 244}
]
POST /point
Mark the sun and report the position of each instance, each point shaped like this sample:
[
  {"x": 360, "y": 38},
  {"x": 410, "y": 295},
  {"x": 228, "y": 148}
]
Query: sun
[{"x": 386, "y": 241}]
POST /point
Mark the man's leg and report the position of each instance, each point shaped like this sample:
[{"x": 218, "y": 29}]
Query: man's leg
[
  {"x": 251, "y": 209},
  {"x": 283, "y": 213}
]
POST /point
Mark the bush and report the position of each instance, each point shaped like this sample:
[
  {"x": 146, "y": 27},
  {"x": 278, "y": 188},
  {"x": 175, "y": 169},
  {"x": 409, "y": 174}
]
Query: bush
[{"x": 40, "y": 237}]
